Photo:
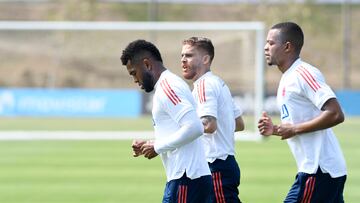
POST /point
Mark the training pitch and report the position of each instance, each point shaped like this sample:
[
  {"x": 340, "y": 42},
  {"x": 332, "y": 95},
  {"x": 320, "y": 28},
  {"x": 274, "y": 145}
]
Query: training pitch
[{"x": 104, "y": 171}]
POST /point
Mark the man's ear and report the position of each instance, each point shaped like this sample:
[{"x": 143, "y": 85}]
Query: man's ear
[
  {"x": 147, "y": 64},
  {"x": 288, "y": 46},
  {"x": 206, "y": 59}
]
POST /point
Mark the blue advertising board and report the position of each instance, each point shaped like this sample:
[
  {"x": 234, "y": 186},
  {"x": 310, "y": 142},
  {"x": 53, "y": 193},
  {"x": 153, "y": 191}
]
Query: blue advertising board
[
  {"x": 349, "y": 101},
  {"x": 69, "y": 102}
]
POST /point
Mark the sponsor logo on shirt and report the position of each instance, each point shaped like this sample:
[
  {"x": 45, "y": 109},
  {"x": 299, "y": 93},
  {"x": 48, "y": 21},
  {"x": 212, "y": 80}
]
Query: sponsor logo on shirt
[
  {"x": 283, "y": 92},
  {"x": 284, "y": 112}
]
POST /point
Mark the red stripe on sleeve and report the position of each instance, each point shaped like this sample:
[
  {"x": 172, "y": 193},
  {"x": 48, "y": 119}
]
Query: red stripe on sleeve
[
  {"x": 172, "y": 91},
  {"x": 199, "y": 94},
  {"x": 167, "y": 93},
  {"x": 311, "y": 76},
  {"x": 306, "y": 79},
  {"x": 203, "y": 90}
]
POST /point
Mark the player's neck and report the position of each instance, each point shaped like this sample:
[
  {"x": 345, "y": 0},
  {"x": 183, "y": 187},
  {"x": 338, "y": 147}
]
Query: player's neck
[
  {"x": 158, "y": 72},
  {"x": 200, "y": 74},
  {"x": 287, "y": 64}
]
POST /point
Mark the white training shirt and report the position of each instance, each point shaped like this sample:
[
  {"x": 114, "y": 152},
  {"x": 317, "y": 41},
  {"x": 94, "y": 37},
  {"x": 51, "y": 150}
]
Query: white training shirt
[
  {"x": 301, "y": 94},
  {"x": 172, "y": 101},
  {"x": 213, "y": 98}
]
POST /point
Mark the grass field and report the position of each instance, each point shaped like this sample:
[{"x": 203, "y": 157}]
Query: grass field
[{"x": 105, "y": 172}]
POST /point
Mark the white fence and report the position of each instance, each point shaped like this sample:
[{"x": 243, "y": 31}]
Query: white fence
[{"x": 85, "y": 135}]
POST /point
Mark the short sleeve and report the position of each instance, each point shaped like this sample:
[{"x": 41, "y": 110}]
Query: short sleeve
[
  {"x": 314, "y": 87},
  {"x": 176, "y": 99},
  {"x": 207, "y": 93},
  {"x": 237, "y": 110}
]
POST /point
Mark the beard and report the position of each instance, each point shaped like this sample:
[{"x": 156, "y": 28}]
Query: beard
[
  {"x": 189, "y": 76},
  {"x": 268, "y": 60},
  {"x": 148, "y": 81},
  {"x": 271, "y": 62},
  {"x": 190, "y": 72}
]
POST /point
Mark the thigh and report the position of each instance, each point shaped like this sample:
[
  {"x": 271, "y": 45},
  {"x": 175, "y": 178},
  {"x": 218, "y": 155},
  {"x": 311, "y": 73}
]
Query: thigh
[
  {"x": 226, "y": 180},
  {"x": 316, "y": 188},
  {"x": 170, "y": 192},
  {"x": 297, "y": 190},
  {"x": 199, "y": 190},
  {"x": 185, "y": 190},
  {"x": 340, "y": 189},
  {"x": 328, "y": 189}
]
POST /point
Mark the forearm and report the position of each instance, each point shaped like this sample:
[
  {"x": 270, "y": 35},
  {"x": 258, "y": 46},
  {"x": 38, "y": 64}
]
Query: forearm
[
  {"x": 326, "y": 119},
  {"x": 239, "y": 124},
  {"x": 331, "y": 115},
  {"x": 191, "y": 128}
]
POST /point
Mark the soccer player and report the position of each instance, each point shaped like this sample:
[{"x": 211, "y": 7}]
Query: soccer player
[
  {"x": 220, "y": 117},
  {"x": 308, "y": 109},
  {"x": 176, "y": 125}
]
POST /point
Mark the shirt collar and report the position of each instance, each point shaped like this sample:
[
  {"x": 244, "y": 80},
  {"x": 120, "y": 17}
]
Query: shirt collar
[
  {"x": 207, "y": 73},
  {"x": 160, "y": 78},
  {"x": 293, "y": 66}
]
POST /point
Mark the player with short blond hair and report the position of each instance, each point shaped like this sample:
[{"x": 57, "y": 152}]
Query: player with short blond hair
[{"x": 220, "y": 117}]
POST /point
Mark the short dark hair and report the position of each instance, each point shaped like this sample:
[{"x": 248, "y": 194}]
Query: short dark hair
[
  {"x": 139, "y": 48},
  {"x": 202, "y": 43},
  {"x": 291, "y": 32}
]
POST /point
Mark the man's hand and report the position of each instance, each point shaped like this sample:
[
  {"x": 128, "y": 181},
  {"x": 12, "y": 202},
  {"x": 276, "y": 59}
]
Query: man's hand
[
  {"x": 209, "y": 123},
  {"x": 266, "y": 128},
  {"x": 265, "y": 125},
  {"x": 148, "y": 149},
  {"x": 286, "y": 131},
  {"x": 136, "y": 145}
]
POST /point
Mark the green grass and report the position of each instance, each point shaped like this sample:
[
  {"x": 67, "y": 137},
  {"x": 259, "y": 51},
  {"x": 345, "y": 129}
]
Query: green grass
[
  {"x": 76, "y": 172},
  {"x": 105, "y": 171}
]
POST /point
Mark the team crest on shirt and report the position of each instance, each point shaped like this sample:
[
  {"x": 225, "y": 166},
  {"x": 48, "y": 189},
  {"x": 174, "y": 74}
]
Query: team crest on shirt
[{"x": 283, "y": 92}]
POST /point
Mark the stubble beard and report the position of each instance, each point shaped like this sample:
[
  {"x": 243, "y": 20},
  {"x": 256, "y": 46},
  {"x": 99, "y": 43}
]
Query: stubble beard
[{"x": 148, "y": 82}]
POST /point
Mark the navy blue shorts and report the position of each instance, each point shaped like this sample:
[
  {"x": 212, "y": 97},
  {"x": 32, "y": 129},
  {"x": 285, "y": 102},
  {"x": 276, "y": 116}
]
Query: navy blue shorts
[
  {"x": 226, "y": 180},
  {"x": 185, "y": 190},
  {"x": 316, "y": 188}
]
